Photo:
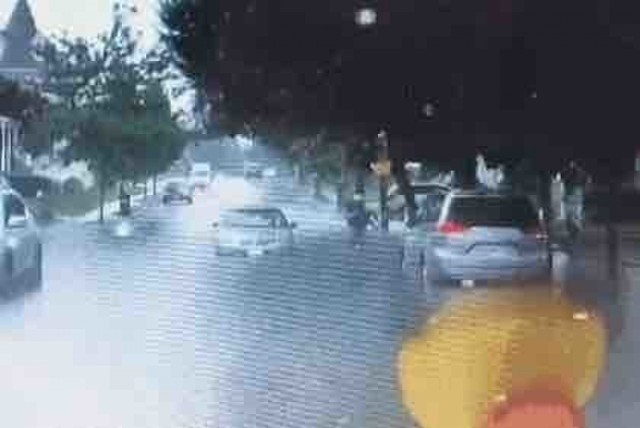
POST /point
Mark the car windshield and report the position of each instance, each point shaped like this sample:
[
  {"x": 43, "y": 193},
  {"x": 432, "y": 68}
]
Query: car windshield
[
  {"x": 251, "y": 218},
  {"x": 493, "y": 211},
  {"x": 262, "y": 213}
]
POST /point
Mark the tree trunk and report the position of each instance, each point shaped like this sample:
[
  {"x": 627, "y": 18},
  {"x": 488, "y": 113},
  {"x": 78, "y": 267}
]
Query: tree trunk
[
  {"x": 402, "y": 178},
  {"x": 101, "y": 195},
  {"x": 612, "y": 238},
  {"x": 317, "y": 186},
  {"x": 544, "y": 195},
  {"x": 146, "y": 188},
  {"x": 155, "y": 184},
  {"x": 384, "y": 203},
  {"x": 300, "y": 171},
  {"x": 359, "y": 185},
  {"x": 344, "y": 171}
]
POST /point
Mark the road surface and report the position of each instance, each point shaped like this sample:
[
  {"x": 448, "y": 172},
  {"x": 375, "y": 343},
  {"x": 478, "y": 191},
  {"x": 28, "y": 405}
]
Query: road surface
[{"x": 155, "y": 330}]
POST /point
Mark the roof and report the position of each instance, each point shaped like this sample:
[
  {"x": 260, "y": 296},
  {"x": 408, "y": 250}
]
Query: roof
[
  {"x": 21, "y": 23},
  {"x": 18, "y": 36}
]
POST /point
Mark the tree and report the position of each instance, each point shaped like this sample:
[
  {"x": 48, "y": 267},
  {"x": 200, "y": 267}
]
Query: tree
[
  {"x": 113, "y": 111},
  {"x": 343, "y": 74},
  {"x": 440, "y": 78},
  {"x": 28, "y": 107}
]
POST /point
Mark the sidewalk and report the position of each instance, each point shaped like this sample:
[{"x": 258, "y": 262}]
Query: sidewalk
[
  {"x": 616, "y": 402},
  {"x": 111, "y": 210}
]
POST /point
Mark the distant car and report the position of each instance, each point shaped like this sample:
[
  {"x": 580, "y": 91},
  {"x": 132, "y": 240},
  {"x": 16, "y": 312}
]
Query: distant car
[
  {"x": 253, "y": 170},
  {"x": 478, "y": 237},
  {"x": 177, "y": 191},
  {"x": 201, "y": 175},
  {"x": 254, "y": 231},
  {"x": 270, "y": 172},
  {"x": 20, "y": 244}
]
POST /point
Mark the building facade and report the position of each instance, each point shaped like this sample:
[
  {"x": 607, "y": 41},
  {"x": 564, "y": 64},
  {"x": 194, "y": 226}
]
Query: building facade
[{"x": 19, "y": 64}]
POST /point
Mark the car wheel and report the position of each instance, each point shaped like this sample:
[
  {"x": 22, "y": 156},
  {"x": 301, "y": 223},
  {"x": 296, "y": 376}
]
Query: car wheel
[{"x": 164, "y": 201}]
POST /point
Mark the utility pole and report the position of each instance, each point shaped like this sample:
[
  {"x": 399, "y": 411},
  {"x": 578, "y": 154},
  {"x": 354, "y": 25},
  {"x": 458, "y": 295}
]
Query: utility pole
[{"x": 383, "y": 170}]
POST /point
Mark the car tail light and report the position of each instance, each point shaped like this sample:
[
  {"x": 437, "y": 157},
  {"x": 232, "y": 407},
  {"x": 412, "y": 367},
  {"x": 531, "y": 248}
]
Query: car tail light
[{"x": 452, "y": 228}]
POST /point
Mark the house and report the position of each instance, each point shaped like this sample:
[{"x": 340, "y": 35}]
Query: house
[
  {"x": 18, "y": 63},
  {"x": 18, "y": 42}
]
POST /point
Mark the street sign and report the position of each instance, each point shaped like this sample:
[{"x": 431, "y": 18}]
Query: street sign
[{"x": 382, "y": 168}]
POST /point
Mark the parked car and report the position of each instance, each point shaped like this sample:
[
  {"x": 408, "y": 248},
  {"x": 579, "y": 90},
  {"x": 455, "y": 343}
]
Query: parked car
[
  {"x": 201, "y": 175},
  {"x": 20, "y": 244},
  {"x": 478, "y": 237},
  {"x": 177, "y": 191},
  {"x": 254, "y": 231}
]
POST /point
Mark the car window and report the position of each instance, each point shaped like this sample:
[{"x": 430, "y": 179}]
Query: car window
[
  {"x": 429, "y": 207},
  {"x": 493, "y": 211},
  {"x": 253, "y": 218},
  {"x": 13, "y": 207}
]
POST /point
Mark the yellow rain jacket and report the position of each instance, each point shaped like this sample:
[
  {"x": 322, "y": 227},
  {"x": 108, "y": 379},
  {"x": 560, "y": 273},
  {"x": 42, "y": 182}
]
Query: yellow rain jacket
[{"x": 487, "y": 359}]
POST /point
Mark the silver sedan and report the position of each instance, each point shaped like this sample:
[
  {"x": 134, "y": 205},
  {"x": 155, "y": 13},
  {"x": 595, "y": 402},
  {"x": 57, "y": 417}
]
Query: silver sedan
[{"x": 254, "y": 231}]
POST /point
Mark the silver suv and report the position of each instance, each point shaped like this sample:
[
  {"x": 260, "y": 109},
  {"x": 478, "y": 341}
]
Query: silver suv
[
  {"x": 20, "y": 245},
  {"x": 478, "y": 237}
]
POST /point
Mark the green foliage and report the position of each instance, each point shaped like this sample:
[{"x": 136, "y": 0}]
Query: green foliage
[
  {"x": 112, "y": 108},
  {"x": 29, "y": 108}
]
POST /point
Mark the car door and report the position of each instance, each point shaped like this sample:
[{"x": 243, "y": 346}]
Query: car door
[{"x": 21, "y": 241}]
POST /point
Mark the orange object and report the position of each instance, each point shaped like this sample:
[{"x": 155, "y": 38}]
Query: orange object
[
  {"x": 536, "y": 408},
  {"x": 494, "y": 358}
]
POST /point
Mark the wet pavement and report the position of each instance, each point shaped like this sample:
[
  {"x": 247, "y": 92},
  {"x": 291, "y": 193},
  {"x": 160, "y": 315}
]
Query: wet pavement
[{"x": 155, "y": 330}]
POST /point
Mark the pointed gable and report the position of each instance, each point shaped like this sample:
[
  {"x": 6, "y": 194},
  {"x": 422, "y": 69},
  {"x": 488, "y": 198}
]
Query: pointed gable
[
  {"x": 17, "y": 46},
  {"x": 19, "y": 35}
]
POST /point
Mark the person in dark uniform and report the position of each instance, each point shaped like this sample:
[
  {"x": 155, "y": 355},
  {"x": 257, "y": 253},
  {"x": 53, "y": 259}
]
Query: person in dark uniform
[{"x": 359, "y": 219}]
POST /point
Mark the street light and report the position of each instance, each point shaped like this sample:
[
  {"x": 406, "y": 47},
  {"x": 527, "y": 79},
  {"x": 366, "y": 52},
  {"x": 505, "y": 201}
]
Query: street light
[{"x": 366, "y": 17}]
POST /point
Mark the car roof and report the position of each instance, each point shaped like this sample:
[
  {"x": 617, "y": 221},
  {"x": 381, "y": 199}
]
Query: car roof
[
  {"x": 486, "y": 193},
  {"x": 250, "y": 209}
]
